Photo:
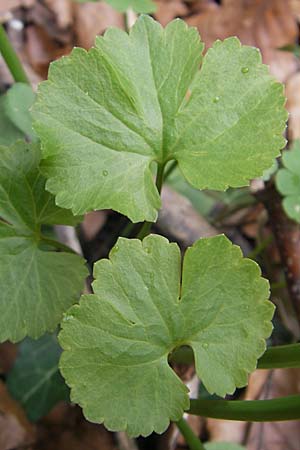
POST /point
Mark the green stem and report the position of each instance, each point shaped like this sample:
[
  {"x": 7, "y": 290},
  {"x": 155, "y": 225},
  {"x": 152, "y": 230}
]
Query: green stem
[
  {"x": 281, "y": 356},
  {"x": 56, "y": 244},
  {"x": 11, "y": 58},
  {"x": 146, "y": 228},
  {"x": 278, "y": 409},
  {"x": 190, "y": 438},
  {"x": 170, "y": 169}
]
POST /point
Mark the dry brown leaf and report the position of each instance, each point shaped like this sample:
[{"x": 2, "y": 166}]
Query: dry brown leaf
[
  {"x": 92, "y": 224},
  {"x": 167, "y": 10},
  {"x": 66, "y": 429},
  {"x": 92, "y": 19},
  {"x": 40, "y": 14},
  {"x": 277, "y": 435},
  {"x": 292, "y": 90},
  {"x": 266, "y": 24},
  {"x": 41, "y": 49},
  {"x": 263, "y": 384},
  {"x": 15, "y": 430},
  {"x": 63, "y": 10},
  {"x": 8, "y": 353},
  {"x": 9, "y": 5}
]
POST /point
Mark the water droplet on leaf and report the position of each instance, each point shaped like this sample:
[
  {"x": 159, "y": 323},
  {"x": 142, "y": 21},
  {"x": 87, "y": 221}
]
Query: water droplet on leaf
[
  {"x": 245, "y": 69},
  {"x": 205, "y": 345},
  {"x": 216, "y": 99},
  {"x": 104, "y": 173}
]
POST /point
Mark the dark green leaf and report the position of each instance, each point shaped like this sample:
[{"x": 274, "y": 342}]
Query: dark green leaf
[{"x": 35, "y": 380}]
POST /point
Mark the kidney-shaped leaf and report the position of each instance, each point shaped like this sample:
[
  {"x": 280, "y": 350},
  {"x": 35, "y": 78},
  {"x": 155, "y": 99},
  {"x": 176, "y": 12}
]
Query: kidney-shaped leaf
[
  {"x": 104, "y": 115},
  {"x": 288, "y": 181},
  {"x": 116, "y": 341},
  {"x": 37, "y": 286}
]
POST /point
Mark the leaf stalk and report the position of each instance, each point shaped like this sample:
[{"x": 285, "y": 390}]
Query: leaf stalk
[
  {"x": 191, "y": 439},
  {"x": 11, "y": 58},
  {"x": 278, "y": 409}
]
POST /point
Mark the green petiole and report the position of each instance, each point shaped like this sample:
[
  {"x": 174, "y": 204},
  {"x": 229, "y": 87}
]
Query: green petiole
[
  {"x": 282, "y": 356},
  {"x": 278, "y": 409},
  {"x": 11, "y": 58}
]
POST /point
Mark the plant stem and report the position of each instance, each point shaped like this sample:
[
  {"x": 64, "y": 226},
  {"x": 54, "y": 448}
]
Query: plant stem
[
  {"x": 146, "y": 228},
  {"x": 278, "y": 409},
  {"x": 170, "y": 169},
  {"x": 11, "y": 58},
  {"x": 281, "y": 356},
  {"x": 56, "y": 244},
  {"x": 191, "y": 439}
]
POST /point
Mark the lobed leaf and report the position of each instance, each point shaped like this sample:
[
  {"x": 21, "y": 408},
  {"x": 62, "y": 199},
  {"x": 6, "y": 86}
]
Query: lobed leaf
[
  {"x": 288, "y": 181},
  {"x": 37, "y": 285},
  {"x": 117, "y": 341},
  {"x": 106, "y": 115}
]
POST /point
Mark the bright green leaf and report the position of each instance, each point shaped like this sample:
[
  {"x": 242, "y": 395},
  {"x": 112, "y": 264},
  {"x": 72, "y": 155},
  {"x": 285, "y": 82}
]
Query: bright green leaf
[
  {"x": 35, "y": 381},
  {"x": 36, "y": 286},
  {"x": 117, "y": 341},
  {"x": 105, "y": 115},
  {"x": 139, "y": 6},
  {"x": 288, "y": 181}
]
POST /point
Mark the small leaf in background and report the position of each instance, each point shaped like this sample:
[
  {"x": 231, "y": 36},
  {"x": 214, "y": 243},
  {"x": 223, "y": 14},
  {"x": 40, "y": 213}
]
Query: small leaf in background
[
  {"x": 105, "y": 115},
  {"x": 288, "y": 181},
  {"x": 15, "y": 119},
  {"x": 295, "y": 49},
  {"x": 9, "y": 134},
  {"x": 202, "y": 202},
  {"x": 17, "y": 102},
  {"x": 223, "y": 446},
  {"x": 37, "y": 286},
  {"x": 116, "y": 342},
  {"x": 35, "y": 380},
  {"x": 139, "y": 6}
]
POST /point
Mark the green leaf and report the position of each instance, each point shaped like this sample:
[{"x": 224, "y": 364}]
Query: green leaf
[
  {"x": 105, "y": 115},
  {"x": 17, "y": 102},
  {"x": 288, "y": 181},
  {"x": 116, "y": 342},
  {"x": 37, "y": 286},
  {"x": 223, "y": 446},
  {"x": 35, "y": 381},
  {"x": 139, "y": 6},
  {"x": 15, "y": 119},
  {"x": 8, "y": 132}
]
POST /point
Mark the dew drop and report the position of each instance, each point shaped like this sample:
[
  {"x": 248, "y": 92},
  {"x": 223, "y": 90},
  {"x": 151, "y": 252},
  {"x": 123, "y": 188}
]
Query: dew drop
[
  {"x": 116, "y": 248},
  {"x": 216, "y": 99},
  {"x": 245, "y": 69},
  {"x": 67, "y": 318},
  {"x": 147, "y": 250},
  {"x": 297, "y": 208},
  {"x": 205, "y": 345},
  {"x": 104, "y": 173}
]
